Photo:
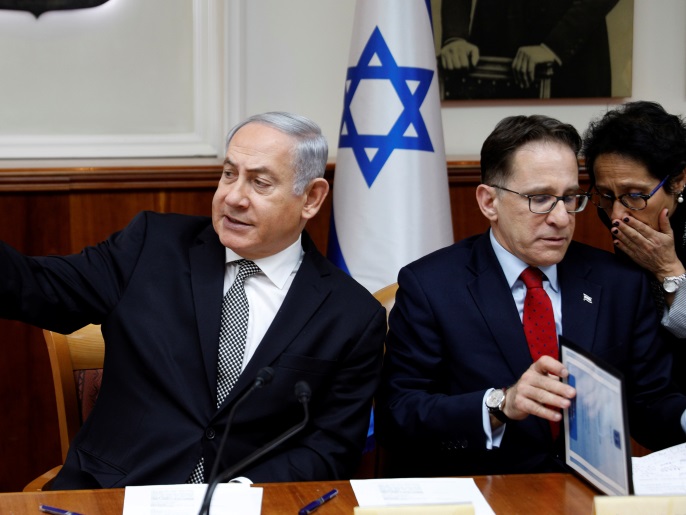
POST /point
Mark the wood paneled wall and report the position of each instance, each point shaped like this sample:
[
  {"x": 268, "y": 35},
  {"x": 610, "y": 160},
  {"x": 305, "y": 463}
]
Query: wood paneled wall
[{"x": 62, "y": 210}]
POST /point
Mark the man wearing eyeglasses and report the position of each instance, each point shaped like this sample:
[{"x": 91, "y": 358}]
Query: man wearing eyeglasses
[{"x": 471, "y": 379}]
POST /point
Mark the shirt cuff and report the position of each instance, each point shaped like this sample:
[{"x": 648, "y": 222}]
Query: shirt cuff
[
  {"x": 493, "y": 438},
  {"x": 674, "y": 316}
]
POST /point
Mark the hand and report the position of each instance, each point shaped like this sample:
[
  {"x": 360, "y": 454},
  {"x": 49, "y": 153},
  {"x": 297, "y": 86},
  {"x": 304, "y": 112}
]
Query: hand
[
  {"x": 524, "y": 63},
  {"x": 649, "y": 248},
  {"x": 539, "y": 392},
  {"x": 458, "y": 55}
]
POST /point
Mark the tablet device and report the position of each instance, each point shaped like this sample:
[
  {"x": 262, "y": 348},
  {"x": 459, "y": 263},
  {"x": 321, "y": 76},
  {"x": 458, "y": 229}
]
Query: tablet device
[{"x": 597, "y": 443}]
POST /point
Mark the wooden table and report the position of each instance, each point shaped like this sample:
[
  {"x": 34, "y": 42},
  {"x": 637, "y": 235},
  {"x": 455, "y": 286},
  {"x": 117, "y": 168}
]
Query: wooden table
[{"x": 512, "y": 494}]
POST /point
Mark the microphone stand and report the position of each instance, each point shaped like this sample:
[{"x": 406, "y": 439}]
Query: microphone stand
[
  {"x": 264, "y": 377},
  {"x": 303, "y": 393}
]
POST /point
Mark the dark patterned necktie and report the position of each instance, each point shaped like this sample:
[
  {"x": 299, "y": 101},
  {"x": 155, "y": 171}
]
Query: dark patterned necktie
[
  {"x": 234, "y": 327},
  {"x": 232, "y": 334},
  {"x": 539, "y": 322}
]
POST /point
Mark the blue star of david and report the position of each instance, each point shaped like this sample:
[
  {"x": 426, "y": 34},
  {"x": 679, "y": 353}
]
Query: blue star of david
[{"x": 401, "y": 135}]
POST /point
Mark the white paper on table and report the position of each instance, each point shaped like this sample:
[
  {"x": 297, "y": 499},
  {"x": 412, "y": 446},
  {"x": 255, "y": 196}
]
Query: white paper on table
[
  {"x": 661, "y": 472},
  {"x": 187, "y": 499},
  {"x": 419, "y": 491}
]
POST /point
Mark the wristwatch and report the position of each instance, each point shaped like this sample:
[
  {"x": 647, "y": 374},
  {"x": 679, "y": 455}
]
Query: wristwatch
[
  {"x": 495, "y": 401},
  {"x": 671, "y": 284}
]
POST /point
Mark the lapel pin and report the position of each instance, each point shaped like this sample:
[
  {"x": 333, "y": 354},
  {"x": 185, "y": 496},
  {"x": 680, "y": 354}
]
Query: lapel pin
[{"x": 588, "y": 299}]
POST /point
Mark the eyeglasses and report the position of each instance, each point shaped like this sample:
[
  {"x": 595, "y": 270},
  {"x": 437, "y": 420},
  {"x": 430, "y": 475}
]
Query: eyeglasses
[
  {"x": 542, "y": 204},
  {"x": 633, "y": 201}
]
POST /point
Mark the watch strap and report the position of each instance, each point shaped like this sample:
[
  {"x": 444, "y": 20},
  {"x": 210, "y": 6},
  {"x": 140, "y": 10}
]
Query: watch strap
[
  {"x": 497, "y": 411},
  {"x": 500, "y": 415}
]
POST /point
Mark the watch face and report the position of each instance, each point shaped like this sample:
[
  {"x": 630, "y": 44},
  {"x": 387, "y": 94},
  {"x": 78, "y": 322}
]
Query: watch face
[
  {"x": 495, "y": 398},
  {"x": 669, "y": 286}
]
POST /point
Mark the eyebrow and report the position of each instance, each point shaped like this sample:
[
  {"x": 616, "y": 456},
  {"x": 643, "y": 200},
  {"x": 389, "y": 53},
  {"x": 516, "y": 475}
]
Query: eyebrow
[
  {"x": 258, "y": 169},
  {"x": 625, "y": 186},
  {"x": 567, "y": 191}
]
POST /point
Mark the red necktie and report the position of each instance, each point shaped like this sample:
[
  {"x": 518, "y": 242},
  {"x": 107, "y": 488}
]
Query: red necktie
[
  {"x": 539, "y": 322},
  {"x": 538, "y": 319}
]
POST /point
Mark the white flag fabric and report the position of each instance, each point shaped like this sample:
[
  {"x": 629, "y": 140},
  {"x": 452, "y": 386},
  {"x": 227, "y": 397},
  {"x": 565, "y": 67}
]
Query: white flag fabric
[{"x": 391, "y": 202}]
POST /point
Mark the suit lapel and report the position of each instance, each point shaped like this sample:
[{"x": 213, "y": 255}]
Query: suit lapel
[
  {"x": 493, "y": 298},
  {"x": 208, "y": 260},
  {"x": 581, "y": 299}
]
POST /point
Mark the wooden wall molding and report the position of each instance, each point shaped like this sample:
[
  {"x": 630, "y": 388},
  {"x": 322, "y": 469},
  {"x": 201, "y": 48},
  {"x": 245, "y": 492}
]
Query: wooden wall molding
[
  {"x": 460, "y": 172},
  {"x": 108, "y": 178},
  {"x": 140, "y": 177}
]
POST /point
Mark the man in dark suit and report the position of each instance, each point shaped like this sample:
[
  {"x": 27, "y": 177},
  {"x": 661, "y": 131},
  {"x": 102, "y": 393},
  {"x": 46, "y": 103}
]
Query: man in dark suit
[
  {"x": 461, "y": 393},
  {"x": 157, "y": 287},
  {"x": 570, "y": 34}
]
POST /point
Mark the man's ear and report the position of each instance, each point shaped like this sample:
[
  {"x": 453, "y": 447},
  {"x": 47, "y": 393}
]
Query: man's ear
[
  {"x": 486, "y": 197},
  {"x": 315, "y": 193}
]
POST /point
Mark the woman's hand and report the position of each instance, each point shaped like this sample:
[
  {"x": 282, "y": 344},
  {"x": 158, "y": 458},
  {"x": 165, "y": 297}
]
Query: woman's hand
[{"x": 653, "y": 250}]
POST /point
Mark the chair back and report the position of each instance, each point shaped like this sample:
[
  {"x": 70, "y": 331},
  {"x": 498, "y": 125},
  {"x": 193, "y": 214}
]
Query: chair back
[
  {"x": 71, "y": 355},
  {"x": 376, "y": 459},
  {"x": 386, "y": 296}
]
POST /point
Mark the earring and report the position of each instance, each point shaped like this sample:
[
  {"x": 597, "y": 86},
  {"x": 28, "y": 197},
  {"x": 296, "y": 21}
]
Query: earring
[{"x": 680, "y": 198}]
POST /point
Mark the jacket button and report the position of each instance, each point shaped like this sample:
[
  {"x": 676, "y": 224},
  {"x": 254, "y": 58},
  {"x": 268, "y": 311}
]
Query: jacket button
[{"x": 209, "y": 433}]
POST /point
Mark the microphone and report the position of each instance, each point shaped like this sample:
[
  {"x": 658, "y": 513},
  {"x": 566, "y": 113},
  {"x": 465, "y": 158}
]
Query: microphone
[
  {"x": 303, "y": 393},
  {"x": 263, "y": 378}
]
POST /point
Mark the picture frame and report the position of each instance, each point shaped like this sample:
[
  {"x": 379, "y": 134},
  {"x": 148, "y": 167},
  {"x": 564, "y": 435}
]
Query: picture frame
[{"x": 533, "y": 49}]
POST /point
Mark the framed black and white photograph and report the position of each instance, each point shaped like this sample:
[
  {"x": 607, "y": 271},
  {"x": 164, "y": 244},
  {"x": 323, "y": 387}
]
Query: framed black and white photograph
[{"x": 533, "y": 49}]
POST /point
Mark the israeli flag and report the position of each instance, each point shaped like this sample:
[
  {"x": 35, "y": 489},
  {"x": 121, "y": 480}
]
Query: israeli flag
[{"x": 391, "y": 203}]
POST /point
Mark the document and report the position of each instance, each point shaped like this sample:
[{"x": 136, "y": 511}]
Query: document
[
  {"x": 420, "y": 491},
  {"x": 187, "y": 499},
  {"x": 596, "y": 428},
  {"x": 661, "y": 472}
]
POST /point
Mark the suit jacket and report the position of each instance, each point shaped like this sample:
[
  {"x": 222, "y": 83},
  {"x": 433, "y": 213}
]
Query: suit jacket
[
  {"x": 574, "y": 29},
  {"x": 156, "y": 288},
  {"x": 455, "y": 332}
]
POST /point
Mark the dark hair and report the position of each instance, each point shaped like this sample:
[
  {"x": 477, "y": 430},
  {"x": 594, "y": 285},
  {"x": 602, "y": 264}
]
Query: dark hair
[
  {"x": 642, "y": 131},
  {"x": 514, "y": 132}
]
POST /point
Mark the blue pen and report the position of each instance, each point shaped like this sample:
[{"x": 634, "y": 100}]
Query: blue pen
[
  {"x": 318, "y": 502},
  {"x": 55, "y": 511}
]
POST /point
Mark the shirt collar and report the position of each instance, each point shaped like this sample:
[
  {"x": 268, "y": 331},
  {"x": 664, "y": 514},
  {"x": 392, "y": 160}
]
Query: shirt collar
[
  {"x": 513, "y": 266},
  {"x": 277, "y": 267}
]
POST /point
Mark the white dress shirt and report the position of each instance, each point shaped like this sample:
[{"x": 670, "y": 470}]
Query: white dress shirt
[{"x": 265, "y": 291}]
